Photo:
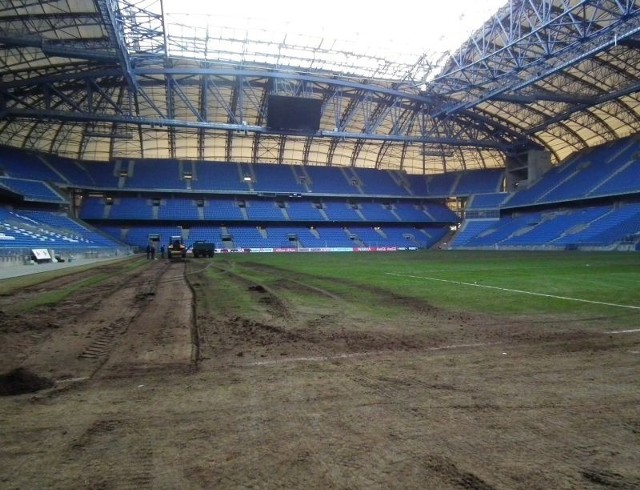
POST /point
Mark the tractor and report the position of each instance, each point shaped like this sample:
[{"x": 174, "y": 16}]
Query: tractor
[{"x": 176, "y": 249}]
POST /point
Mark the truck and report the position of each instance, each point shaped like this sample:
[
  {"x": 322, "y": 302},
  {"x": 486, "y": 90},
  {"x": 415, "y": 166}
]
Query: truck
[
  {"x": 176, "y": 249},
  {"x": 202, "y": 248}
]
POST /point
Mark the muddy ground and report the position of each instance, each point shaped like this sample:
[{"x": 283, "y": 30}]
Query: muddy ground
[{"x": 198, "y": 375}]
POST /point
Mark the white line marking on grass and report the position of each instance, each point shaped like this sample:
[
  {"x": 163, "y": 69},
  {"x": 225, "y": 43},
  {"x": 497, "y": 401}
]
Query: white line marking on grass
[
  {"x": 567, "y": 298},
  {"x": 625, "y": 331}
]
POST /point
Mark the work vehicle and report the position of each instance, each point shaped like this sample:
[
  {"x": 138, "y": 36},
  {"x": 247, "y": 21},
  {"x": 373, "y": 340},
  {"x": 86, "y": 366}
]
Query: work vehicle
[
  {"x": 176, "y": 249},
  {"x": 202, "y": 248}
]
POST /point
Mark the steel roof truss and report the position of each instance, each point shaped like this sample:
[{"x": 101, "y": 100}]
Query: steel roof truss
[
  {"x": 214, "y": 90},
  {"x": 544, "y": 42},
  {"x": 177, "y": 89},
  {"x": 92, "y": 87}
]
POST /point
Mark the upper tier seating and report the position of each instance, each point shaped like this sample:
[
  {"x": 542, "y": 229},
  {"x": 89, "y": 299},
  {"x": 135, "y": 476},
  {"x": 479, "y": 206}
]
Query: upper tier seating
[
  {"x": 603, "y": 171},
  {"x": 25, "y": 165},
  {"x": 378, "y": 182},
  {"x": 103, "y": 175},
  {"x": 329, "y": 180},
  {"x": 442, "y": 185},
  {"x": 276, "y": 178},
  {"x": 74, "y": 173},
  {"x": 216, "y": 176},
  {"x": 242, "y": 178},
  {"x": 479, "y": 181},
  {"x": 151, "y": 174},
  {"x": 486, "y": 201},
  {"x": 31, "y": 190}
]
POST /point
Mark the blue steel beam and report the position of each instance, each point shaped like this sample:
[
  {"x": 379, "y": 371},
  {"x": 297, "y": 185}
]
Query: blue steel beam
[
  {"x": 373, "y": 108},
  {"x": 564, "y": 115},
  {"x": 64, "y": 50},
  {"x": 555, "y": 41},
  {"x": 113, "y": 21},
  {"x": 536, "y": 96},
  {"x": 76, "y": 116},
  {"x": 223, "y": 72}
]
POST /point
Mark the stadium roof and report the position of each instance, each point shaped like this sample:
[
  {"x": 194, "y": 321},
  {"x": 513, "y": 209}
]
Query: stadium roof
[
  {"x": 103, "y": 79},
  {"x": 405, "y": 42}
]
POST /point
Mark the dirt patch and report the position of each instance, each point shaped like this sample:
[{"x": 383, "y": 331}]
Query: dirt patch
[
  {"x": 334, "y": 393},
  {"x": 32, "y": 323},
  {"x": 21, "y": 380}
]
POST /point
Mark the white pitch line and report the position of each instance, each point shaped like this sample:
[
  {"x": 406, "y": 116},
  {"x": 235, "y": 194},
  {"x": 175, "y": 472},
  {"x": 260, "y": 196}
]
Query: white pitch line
[
  {"x": 567, "y": 298},
  {"x": 72, "y": 380},
  {"x": 625, "y": 331}
]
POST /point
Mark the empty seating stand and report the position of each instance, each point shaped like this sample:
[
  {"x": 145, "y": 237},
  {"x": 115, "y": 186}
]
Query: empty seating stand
[
  {"x": 31, "y": 190},
  {"x": 151, "y": 174},
  {"x": 28, "y": 229},
  {"x": 479, "y": 181},
  {"x": 486, "y": 201},
  {"x": 604, "y": 171}
]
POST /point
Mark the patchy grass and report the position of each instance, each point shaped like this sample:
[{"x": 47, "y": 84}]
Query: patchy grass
[
  {"x": 53, "y": 297},
  {"x": 7, "y": 286},
  {"x": 485, "y": 282}
]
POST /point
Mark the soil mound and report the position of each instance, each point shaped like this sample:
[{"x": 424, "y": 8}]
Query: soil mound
[{"x": 21, "y": 381}]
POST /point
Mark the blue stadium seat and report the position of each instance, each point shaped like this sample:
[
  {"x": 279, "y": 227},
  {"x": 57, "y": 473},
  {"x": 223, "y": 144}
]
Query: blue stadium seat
[
  {"x": 32, "y": 190},
  {"x": 486, "y": 201},
  {"x": 276, "y": 178},
  {"x": 28, "y": 229}
]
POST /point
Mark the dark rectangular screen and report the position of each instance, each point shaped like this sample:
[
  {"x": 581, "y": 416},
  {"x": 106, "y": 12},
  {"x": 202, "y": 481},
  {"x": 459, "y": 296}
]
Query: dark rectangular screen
[{"x": 293, "y": 113}]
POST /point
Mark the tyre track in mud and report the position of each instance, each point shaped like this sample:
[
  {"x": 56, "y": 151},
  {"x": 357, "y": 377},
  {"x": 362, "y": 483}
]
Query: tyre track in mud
[
  {"x": 106, "y": 442},
  {"x": 129, "y": 306},
  {"x": 159, "y": 337},
  {"x": 233, "y": 334},
  {"x": 332, "y": 324},
  {"x": 290, "y": 280},
  {"x": 290, "y": 330},
  {"x": 461, "y": 327},
  {"x": 274, "y": 303},
  {"x": 392, "y": 394},
  {"x": 87, "y": 326},
  {"x": 293, "y": 333},
  {"x": 155, "y": 339},
  {"x": 140, "y": 334}
]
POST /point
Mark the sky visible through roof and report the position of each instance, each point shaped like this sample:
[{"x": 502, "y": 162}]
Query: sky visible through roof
[{"x": 376, "y": 40}]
